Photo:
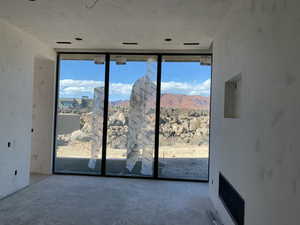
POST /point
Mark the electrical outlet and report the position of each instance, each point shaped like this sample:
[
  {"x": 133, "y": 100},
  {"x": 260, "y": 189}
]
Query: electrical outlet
[{"x": 11, "y": 144}]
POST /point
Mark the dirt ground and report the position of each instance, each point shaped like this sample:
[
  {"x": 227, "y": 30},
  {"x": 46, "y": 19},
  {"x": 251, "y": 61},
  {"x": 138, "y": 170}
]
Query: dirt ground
[{"x": 83, "y": 150}]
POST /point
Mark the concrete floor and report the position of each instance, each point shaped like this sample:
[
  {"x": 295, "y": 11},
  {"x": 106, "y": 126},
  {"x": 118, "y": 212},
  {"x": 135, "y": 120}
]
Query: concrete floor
[
  {"x": 81, "y": 200},
  {"x": 36, "y": 177}
]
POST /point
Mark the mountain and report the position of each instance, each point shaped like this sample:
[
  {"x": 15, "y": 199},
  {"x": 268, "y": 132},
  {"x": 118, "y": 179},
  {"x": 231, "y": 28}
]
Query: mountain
[
  {"x": 184, "y": 101},
  {"x": 177, "y": 101}
]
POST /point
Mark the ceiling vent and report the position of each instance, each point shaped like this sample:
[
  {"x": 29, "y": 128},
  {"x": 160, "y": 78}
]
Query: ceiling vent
[
  {"x": 191, "y": 43},
  {"x": 64, "y": 42},
  {"x": 130, "y": 43}
]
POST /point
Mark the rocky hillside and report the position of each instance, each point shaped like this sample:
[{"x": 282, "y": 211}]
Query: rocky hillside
[{"x": 177, "y": 126}]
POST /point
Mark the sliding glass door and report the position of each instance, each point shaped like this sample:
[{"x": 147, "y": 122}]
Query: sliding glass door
[
  {"x": 79, "y": 119},
  {"x": 107, "y": 105},
  {"x": 131, "y": 120}
]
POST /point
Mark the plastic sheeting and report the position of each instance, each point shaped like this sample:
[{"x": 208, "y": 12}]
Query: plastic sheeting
[
  {"x": 97, "y": 126},
  {"x": 141, "y": 125}
]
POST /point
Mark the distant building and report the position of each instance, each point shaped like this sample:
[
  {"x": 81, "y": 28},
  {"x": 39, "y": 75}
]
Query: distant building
[{"x": 74, "y": 103}]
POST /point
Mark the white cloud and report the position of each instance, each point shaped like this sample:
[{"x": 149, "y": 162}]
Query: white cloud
[
  {"x": 78, "y": 88},
  {"x": 186, "y": 88},
  {"x": 120, "y": 89}
]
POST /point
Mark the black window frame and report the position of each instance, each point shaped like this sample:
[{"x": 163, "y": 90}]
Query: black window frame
[{"x": 103, "y": 173}]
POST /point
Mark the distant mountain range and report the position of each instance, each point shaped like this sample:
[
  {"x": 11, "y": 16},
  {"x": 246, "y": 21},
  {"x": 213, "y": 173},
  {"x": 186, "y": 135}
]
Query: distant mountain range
[{"x": 177, "y": 101}]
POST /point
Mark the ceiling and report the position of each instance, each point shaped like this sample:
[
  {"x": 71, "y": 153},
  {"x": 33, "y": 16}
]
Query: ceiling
[{"x": 105, "y": 24}]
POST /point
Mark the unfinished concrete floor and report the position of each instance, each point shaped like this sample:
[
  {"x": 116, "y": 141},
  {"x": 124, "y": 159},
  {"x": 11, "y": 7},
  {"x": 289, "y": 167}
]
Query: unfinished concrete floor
[
  {"x": 36, "y": 177},
  {"x": 80, "y": 200}
]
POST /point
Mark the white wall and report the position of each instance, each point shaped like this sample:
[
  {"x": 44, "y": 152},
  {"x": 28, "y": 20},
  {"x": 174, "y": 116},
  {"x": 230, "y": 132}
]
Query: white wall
[
  {"x": 42, "y": 115},
  {"x": 259, "y": 152},
  {"x": 17, "y": 53}
]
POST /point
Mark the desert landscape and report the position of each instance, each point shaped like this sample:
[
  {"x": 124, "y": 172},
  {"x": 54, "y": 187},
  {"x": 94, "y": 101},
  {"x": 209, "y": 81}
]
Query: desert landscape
[{"x": 184, "y": 132}]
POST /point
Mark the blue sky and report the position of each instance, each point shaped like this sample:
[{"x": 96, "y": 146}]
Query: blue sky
[{"x": 79, "y": 78}]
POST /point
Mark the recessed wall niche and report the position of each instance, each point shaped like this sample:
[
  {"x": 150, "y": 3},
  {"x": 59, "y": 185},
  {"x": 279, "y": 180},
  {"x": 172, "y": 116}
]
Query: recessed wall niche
[{"x": 232, "y": 97}]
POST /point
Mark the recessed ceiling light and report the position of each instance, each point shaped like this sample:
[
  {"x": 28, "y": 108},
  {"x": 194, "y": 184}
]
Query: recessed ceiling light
[
  {"x": 191, "y": 43},
  {"x": 168, "y": 39},
  {"x": 129, "y": 43},
  {"x": 78, "y": 39},
  {"x": 64, "y": 42}
]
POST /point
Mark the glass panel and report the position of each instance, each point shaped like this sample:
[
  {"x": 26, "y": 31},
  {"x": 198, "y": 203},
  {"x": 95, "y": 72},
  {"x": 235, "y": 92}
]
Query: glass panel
[
  {"x": 80, "y": 114},
  {"x": 131, "y": 115},
  {"x": 184, "y": 117}
]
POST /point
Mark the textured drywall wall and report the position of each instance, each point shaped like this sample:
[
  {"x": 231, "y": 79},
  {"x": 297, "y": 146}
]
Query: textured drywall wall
[
  {"x": 42, "y": 115},
  {"x": 259, "y": 152},
  {"x": 17, "y": 53}
]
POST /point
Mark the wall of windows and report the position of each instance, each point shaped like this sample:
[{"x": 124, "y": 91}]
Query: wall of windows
[{"x": 133, "y": 115}]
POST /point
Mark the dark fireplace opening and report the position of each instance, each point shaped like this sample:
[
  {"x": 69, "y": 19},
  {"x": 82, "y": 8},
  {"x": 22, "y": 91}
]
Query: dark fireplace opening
[{"x": 232, "y": 200}]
